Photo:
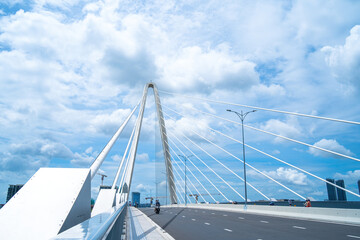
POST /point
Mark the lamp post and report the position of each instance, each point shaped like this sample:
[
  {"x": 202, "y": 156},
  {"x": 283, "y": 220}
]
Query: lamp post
[
  {"x": 242, "y": 118},
  {"x": 166, "y": 184},
  {"x": 185, "y": 158}
]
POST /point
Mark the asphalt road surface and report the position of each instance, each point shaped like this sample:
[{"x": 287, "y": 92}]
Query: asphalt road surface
[{"x": 187, "y": 223}]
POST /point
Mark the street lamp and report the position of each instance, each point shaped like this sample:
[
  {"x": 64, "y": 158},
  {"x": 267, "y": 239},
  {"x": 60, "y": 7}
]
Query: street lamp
[
  {"x": 166, "y": 184},
  {"x": 242, "y": 118},
  {"x": 185, "y": 158}
]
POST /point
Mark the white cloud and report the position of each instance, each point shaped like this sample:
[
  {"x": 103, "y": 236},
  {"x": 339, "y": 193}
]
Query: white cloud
[
  {"x": 189, "y": 126},
  {"x": 84, "y": 159},
  {"x": 351, "y": 175},
  {"x": 109, "y": 123},
  {"x": 344, "y": 60},
  {"x": 142, "y": 157},
  {"x": 141, "y": 187},
  {"x": 33, "y": 155},
  {"x": 193, "y": 68},
  {"x": 289, "y": 175},
  {"x": 116, "y": 158},
  {"x": 329, "y": 144},
  {"x": 290, "y": 128}
]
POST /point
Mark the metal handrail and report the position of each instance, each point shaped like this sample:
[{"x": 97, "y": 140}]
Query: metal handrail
[{"x": 105, "y": 228}]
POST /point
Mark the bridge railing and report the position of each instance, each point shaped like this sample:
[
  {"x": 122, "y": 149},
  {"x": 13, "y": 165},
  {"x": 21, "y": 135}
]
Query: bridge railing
[{"x": 106, "y": 225}]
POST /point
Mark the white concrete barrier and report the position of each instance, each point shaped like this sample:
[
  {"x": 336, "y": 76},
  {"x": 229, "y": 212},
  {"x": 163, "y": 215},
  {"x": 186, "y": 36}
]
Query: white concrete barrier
[{"x": 336, "y": 215}]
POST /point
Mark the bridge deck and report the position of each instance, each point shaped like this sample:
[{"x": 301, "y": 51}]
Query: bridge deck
[{"x": 191, "y": 223}]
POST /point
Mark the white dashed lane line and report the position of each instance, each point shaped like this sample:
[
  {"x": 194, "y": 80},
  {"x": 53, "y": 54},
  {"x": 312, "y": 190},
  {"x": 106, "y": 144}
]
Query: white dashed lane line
[
  {"x": 212, "y": 213},
  {"x": 193, "y": 219},
  {"x": 352, "y": 236},
  {"x": 264, "y": 221},
  {"x": 183, "y": 216},
  {"x": 207, "y": 223},
  {"x": 225, "y": 215},
  {"x": 241, "y": 218},
  {"x": 299, "y": 227},
  {"x": 228, "y": 230}
]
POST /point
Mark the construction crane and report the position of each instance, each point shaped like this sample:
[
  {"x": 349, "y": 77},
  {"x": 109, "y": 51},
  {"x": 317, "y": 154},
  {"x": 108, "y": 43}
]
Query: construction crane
[
  {"x": 196, "y": 195},
  {"x": 102, "y": 177}
]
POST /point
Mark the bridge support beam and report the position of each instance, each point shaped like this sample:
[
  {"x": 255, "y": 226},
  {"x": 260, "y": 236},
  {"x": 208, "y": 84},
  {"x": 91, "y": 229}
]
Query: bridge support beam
[{"x": 165, "y": 145}]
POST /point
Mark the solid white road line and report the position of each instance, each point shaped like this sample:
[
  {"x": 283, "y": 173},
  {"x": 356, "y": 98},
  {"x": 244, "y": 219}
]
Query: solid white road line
[
  {"x": 227, "y": 230},
  {"x": 299, "y": 227},
  {"x": 352, "y": 236},
  {"x": 264, "y": 221},
  {"x": 207, "y": 223}
]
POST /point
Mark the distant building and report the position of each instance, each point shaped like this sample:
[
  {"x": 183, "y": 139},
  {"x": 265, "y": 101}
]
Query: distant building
[
  {"x": 331, "y": 190},
  {"x": 12, "y": 190},
  {"x": 135, "y": 196},
  {"x": 341, "y": 193}
]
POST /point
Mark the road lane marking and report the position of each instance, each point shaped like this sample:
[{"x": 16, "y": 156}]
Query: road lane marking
[
  {"x": 228, "y": 230},
  {"x": 207, "y": 223},
  {"x": 193, "y": 219},
  {"x": 241, "y": 218},
  {"x": 212, "y": 213},
  {"x": 299, "y": 227},
  {"x": 264, "y": 221},
  {"x": 352, "y": 236},
  {"x": 225, "y": 215},
  {"x": 183, "y": 216}
]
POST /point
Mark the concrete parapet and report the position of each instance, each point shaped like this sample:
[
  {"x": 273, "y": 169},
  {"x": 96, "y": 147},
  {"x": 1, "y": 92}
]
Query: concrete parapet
[{"x": 336, "y": 215}]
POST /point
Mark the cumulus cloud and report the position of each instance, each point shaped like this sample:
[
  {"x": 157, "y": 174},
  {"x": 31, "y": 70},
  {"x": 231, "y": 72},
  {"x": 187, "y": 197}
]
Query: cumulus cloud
[
  {"x": 109, "y": 123},
  {"x": 84, "y": 159},
  {"x": 194, "y": 68},
  {"x": 344, "y": 60},
  {"x": 289, "y": 175},
  {"x": 187, "y": 126},
  {"x": 329, "y": 144},
  {"x": 351, "y": 175},
  {"x": 116, "y": 158},
  {"x": 289, "y": 128},
  {"x": 141, "y": 187},
  {"x": 142, "y": 157},
  {"x": 32, "y": 155}
]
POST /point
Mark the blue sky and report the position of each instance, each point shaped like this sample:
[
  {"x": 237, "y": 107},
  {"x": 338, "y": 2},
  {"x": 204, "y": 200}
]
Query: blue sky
[{"x": 71, "y": 71}]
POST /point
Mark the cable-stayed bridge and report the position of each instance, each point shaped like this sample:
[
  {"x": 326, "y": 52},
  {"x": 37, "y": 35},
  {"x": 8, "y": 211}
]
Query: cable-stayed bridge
[{"x": 202, "y": 185}]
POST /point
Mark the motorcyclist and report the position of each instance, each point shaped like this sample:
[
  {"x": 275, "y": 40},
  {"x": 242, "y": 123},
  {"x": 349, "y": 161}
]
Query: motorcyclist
[{"x": 157, "y": 206}]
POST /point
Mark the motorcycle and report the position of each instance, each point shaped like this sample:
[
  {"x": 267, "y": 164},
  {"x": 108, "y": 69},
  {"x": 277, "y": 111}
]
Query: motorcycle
[{"x": 157, "y": 209}]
